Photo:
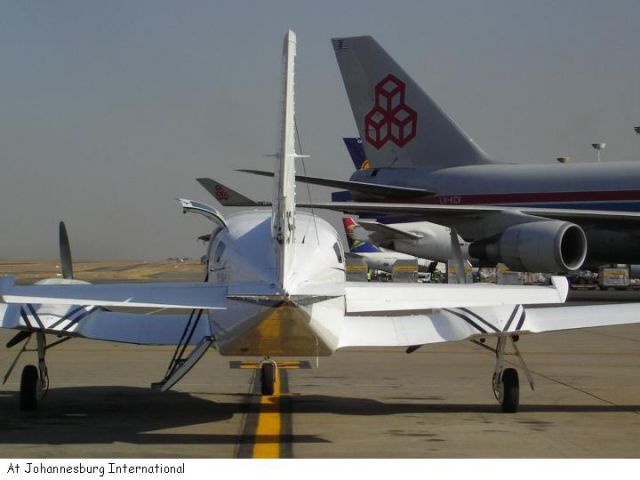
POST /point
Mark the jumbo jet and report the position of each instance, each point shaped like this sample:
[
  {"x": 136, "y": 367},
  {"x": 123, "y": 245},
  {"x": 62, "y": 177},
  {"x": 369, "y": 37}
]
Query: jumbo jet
[
  {"x": 541, "y": 218},
  {"x": 275, "y": 286}
]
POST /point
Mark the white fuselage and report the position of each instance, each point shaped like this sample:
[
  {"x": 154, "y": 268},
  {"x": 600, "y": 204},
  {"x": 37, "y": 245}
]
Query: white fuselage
[
  {"x": 385, "y": 260},
  {"x": 275, "y": 324}
]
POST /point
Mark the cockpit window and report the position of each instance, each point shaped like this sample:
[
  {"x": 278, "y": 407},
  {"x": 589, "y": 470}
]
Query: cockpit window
[{"x": 338, "y": 250}]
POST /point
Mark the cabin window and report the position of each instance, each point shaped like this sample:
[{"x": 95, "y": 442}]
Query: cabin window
[
  {"x": 338, "y": 250},
  {"x": 219, "y": 251}
]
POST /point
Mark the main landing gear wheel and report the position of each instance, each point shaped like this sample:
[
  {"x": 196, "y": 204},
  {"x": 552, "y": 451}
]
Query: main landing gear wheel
[
  {"x": 29, "y": 386},
  {"x": 506, "y": 385},
  {"x": 268, "y": 372},
  {"x": 509, "y": 391}
]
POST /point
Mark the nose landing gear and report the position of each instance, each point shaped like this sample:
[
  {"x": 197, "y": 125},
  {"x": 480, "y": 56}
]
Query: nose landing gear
[{"x": 268, "y": 377}]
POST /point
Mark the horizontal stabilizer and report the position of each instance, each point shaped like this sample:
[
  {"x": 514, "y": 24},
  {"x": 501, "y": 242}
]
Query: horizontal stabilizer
[
  {"x": 138, "y": 295},
  {"x": 361, "y": 187},
  {"x": 363, "y": 298}
]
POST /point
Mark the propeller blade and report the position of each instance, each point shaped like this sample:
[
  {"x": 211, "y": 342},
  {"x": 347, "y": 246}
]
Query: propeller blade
[{"x": 66, "y": 264}]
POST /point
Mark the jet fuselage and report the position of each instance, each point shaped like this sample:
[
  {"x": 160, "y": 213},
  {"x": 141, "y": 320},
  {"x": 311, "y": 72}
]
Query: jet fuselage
[{"x": 588, "y": 186}]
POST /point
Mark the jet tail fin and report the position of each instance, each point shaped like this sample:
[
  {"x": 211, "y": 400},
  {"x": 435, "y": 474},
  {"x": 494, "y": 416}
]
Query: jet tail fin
[
  {"x": 225, "y": 195},
  {"x": 400, "y": 125},
  {"x": 356, "y": 245},
  {"x": 357, "y": 153},
  {"x": 283, "y": 210}
]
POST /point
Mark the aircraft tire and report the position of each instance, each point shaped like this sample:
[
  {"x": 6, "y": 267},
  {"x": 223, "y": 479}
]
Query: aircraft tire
[
  {"x": 267, "y": 378},
  {"x": 29, "y": 388},
  {"x": 511, "y": 389}
]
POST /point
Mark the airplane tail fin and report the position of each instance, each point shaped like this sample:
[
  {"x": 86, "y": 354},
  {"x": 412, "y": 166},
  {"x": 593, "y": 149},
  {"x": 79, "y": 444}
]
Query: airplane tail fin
[
  {"x": 400, "y": 125},
  {"x": 225, "y": 195},
  {"x": 357, "y": 153},
  {"x": 283, "y": 209},
  {"x": 355, "y": 245}
]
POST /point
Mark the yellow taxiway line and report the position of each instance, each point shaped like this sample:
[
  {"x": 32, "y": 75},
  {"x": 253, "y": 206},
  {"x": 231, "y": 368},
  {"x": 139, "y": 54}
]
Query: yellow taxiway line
[{"x": 267, "y": 439}]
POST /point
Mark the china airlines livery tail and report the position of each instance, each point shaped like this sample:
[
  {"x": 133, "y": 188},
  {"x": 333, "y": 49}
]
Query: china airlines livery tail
[{"x": 400, "y": 125}]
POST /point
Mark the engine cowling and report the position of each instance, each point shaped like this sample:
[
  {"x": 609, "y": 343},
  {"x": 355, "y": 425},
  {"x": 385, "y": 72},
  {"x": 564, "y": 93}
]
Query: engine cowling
[{"x": 546, "y": 246}]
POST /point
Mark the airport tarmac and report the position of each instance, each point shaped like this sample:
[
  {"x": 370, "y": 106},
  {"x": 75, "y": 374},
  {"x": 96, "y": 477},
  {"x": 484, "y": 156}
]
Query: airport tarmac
[{"x": 436, "y": 402}]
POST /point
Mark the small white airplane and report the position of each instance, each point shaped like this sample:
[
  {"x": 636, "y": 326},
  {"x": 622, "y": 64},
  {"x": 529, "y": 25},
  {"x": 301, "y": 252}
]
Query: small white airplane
[{"x": 275, "y": 286}]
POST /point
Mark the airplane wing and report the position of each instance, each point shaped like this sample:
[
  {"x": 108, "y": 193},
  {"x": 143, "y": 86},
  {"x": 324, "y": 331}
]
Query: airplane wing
[
  {"x": 98, "y": 324},
  {"x": 363, "y": 187},
  {"x": 443, "y": 214},
  {"x": 455, "y": 324},
  {"x": 386, "y": 233}
]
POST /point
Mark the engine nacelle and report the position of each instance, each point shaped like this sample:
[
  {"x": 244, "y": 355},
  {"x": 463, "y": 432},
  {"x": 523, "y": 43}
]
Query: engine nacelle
[{"x": 547, "y": 246}]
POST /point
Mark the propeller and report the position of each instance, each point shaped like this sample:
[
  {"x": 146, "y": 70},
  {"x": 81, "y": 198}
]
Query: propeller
[{"x": 66, "y": 264}]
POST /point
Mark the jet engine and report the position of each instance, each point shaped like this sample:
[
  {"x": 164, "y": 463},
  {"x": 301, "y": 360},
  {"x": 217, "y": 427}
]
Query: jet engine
[{"x": 547, "y": 246}]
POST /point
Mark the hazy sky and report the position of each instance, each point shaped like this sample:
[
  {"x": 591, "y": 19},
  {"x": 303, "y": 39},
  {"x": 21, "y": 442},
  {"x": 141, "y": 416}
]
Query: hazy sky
[{"x": 110, "y": 109}]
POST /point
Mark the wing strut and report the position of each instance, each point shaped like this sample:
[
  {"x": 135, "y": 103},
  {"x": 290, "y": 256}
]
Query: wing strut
[{"x": 180, "y": 364}]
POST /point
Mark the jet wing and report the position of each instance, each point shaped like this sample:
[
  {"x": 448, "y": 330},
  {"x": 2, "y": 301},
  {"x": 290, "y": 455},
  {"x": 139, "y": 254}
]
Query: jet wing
[
  {"x": 446, "y": 214},
  {"x": 363, "y": 187},
  {"x": 455, "y": 324},
  {"x": 385, "y": 232}
]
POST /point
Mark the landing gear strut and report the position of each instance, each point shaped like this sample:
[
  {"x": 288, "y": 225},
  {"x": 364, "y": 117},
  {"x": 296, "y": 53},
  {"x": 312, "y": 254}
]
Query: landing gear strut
[
  {"x": 34, "y": 382},
  {"x": 268, "y": 377},
  {"x": 506, "y": 385}
]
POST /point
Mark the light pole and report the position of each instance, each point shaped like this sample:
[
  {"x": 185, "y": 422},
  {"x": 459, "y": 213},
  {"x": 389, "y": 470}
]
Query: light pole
[{"x": 598, "y": 147}]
